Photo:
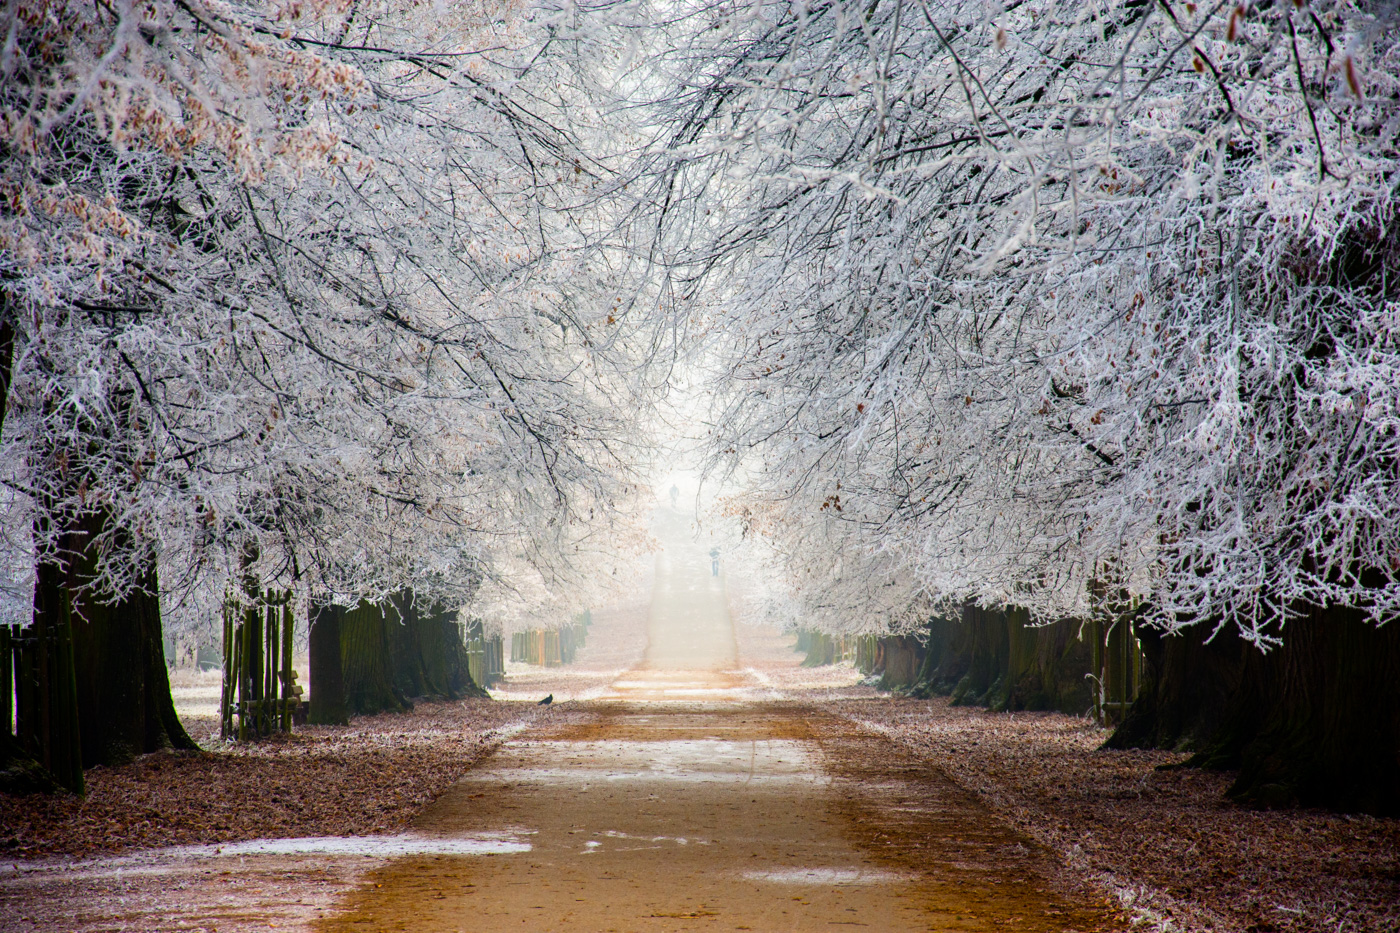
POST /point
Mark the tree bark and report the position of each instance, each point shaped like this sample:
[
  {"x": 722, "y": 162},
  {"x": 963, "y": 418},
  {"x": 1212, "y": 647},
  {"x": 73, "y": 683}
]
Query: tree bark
[
  {"x": 46, "y": 701},
  {"x": 903, "y": 655},
  {"x": 988, "y": 652},
  {"x": 327, "y": 702},
  {"x": 430, "y": 657},
  {"x": 123, "y": 687},
  {"x": 366, "y": 661},
  {"x": 995, "y": 658},
  {"x": 1188, "y": 684}
]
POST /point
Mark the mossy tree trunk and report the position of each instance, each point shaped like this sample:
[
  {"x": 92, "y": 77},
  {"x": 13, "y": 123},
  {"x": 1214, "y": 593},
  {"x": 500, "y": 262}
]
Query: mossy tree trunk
[
  {"x": 1046, "y": 667},
  {"x": 988, "y": 650},
  {"x": 430, "y": 654},
  {"x": 1188, "y": 685},
  {"x": 821, "y": 650},
  {"x": 903, "y": 656},
  {"x": 997, "y": 658},
  {"x": 942, "y": 666}
]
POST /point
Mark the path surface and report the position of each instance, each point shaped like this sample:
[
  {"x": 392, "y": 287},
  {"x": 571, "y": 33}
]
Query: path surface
[{"x": 696, "y": 800}]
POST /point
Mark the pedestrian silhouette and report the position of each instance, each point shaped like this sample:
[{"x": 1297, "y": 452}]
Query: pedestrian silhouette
[
  {"x": 714, "y": 561},
  {"x": 675, "y": 497}
]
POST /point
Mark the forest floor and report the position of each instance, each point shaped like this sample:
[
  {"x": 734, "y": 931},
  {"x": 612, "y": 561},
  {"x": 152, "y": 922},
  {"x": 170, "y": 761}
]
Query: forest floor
[{"x": 156, "y": 844}]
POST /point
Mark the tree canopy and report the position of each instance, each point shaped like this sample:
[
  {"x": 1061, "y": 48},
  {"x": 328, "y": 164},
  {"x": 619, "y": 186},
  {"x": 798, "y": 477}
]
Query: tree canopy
[{"x": 984, "y": 302}]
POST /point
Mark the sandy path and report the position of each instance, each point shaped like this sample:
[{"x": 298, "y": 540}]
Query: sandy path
[{"x": 697, "y": 800}]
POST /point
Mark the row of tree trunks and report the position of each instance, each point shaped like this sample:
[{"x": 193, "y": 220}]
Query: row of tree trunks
[
  {"x": 995, "y": 658},
  {"x": 1313, "y": 722},
  {"x": 868, "y": 658},
  {"x": 485, "y": 655},
  {"x": 373, "y": 657},
  {"x": 551, "y": 647},
  {"x": 867, "y": 652},
  {"x": 821, "y": 649}
]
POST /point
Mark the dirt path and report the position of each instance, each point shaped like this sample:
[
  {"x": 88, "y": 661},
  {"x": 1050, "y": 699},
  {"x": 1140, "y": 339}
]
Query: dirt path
[
  {"x": 688, "y": 792},
  {"x": 696, "y": 800}
]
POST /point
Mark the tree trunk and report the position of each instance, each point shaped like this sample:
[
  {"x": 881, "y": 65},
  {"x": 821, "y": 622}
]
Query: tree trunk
[
  {"x": 947, "y": 656},
  {"x": 163, "y": 726},
  {"x": 366, "y": 661},
  {"x": 46, "y": 701},
  {"x": 988, "y": 652},
  {"x": 903, "y": 656},
  {"x": 430, "y": 657},
  {"x": 123, "y": 687},
  {"x": 328, "y": 707},
  {"x": 1187, "y": 688},
  {"x": 411, "y": 677},
  {"x": 1046, "y": 667},
  {"x": 446, "y": 654}
]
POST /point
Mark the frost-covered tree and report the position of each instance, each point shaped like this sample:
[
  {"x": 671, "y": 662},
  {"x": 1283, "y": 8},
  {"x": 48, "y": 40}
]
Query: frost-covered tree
[
  {"x": 290, "y": 295},
  {"x": 1051, "y": 288}
]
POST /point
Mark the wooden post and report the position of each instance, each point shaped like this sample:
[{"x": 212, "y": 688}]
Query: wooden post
[
  {"x": 7, "y": 682},
  {"x": 288, "y": 669},
  {"x": 226, "y": 688}
]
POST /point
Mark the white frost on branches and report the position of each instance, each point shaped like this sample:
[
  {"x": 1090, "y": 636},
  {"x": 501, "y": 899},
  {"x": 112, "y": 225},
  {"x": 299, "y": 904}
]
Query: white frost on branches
[
  {"x": 1001, "y": 299},
  {"x": 294, "y": 285}
]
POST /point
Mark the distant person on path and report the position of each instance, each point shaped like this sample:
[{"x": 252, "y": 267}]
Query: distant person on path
[
  {"x": 714, "y": 561},
  {"x": 675, "y": 497}
]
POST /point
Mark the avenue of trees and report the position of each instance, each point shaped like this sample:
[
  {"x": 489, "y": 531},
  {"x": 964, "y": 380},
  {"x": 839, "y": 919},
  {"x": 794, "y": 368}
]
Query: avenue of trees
[
  {"x": 1007, "y": 305},
  {"x": 998, "y": 318}
]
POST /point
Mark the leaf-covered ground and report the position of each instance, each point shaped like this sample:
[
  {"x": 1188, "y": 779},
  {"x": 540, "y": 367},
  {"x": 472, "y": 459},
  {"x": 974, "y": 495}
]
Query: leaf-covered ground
[
  {"x": 1166, "y": 843},
  {"x": 369, "y": 777}
]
